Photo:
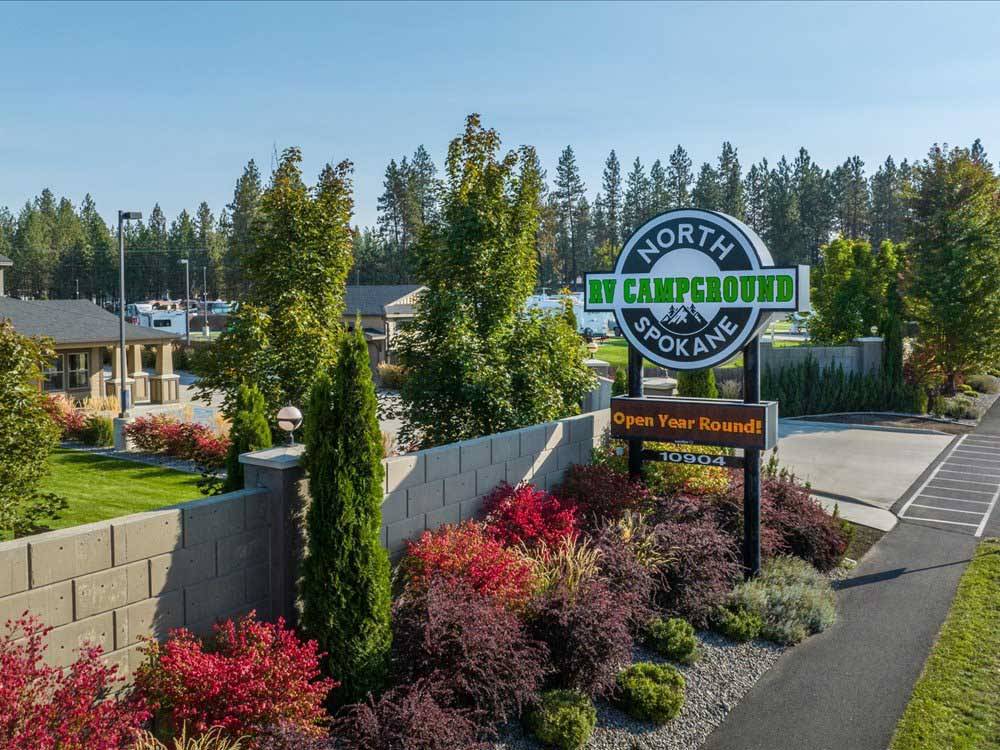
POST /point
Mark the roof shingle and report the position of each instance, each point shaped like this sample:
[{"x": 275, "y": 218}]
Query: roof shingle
[
  {"x": 71, "y": 321},
  {"x": 371, "y": 299}
]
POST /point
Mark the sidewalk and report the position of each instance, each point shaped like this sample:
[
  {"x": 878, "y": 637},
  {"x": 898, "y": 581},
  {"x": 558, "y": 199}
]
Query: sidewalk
[{"x": 845, "y": 689}]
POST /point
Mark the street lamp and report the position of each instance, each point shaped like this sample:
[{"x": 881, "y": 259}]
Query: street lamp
[
  {"x": 289, "y": 420},
  {"x": 126, "y": 395},
  {"x": 204, "y": 298},
  {"x": 187, "y": 296}
]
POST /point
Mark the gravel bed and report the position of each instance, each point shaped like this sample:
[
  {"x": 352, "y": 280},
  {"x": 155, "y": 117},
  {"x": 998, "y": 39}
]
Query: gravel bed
[{"x": 715, "y": 684}]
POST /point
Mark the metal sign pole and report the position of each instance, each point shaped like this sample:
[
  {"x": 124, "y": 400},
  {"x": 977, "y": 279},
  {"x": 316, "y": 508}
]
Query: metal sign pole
[
  {"x": 635, "y": 361},
  {"x": 751, "y": 465}
]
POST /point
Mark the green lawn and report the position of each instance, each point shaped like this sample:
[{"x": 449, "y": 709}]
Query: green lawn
[
  {"x": 98, "y": 487},
  {"x": 615, "y": 352},
  {"x": 956, "y": 702}
]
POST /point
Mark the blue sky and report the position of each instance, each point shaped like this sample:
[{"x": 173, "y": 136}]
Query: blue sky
[{"x": 138, "y": 103}]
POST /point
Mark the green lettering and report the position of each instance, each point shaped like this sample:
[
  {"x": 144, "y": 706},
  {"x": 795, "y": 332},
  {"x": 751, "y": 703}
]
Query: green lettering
[
  {"x": 683, "y": 286},
  {"x": 698, "y": 289},
  {"x": 786, "y": 288},
  {"x": 645, "y": 291},
  {"x": 713, "y": 293},
  {"x": 628, "y": 291},
  {"x": 609, "y": 290},
  {"x": 746, "y": 288},
  {"x": 730, "y": 289},
  {"x": 663, "y": 290},
  {"x": 595, "y": 297},
  {"x": 765, "y": 289}
]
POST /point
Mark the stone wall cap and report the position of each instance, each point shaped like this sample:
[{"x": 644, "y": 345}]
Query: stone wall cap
[{"x": 285, "y": 457}]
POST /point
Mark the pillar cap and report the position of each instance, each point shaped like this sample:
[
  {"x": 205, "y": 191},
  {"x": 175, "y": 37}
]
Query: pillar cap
[{"x": 284, "y": 457}]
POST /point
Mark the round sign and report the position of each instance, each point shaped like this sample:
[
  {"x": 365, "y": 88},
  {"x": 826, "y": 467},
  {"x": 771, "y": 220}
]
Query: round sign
[{"x": 691, "y": 287}]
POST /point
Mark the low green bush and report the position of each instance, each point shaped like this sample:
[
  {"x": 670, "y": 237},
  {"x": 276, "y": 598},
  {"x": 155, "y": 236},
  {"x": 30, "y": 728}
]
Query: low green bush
[
  {"x": 650, "y": 692},
  {"x": 392, "y": 376},
  {"x": 984, "y": 383},
  {"x": 98, "y": 430},
  {"x": 672, "y": 639},
  {"x": 955, "y": 407},
  {"x": 737, "y": 623},
  {"x": 563, "y": 719},
  {"x": 791, "y": 598}
]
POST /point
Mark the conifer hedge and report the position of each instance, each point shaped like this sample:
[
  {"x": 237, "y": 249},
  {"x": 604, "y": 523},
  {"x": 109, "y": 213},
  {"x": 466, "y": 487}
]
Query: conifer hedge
[
  {"x": 697, "y": 383},
  {"x": 344, "y": 587},
  {"x": 250, "y": 432}
]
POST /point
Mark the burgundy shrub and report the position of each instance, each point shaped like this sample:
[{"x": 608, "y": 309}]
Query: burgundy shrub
[
  {"x": 587, "y": 632},
  {"x": 526, "y": 514},
  {"x": 289, "y": 736},
  {"x": 411, "y": 717},
  {"x": 701, "y": 568},
  {"x": 631, "y": 582},
  {"x": 453, "y": 636},
  {"x": 601, "y": 493}
]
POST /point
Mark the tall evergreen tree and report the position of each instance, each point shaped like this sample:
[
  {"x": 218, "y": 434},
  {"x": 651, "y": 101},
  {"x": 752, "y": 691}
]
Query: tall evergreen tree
[
  {"x": 756, "y": 186},
  {"x": 731, "y": 200},
  {"x": 888, "y": 185},
  {"x": 571, "y": 236},
  {"x": 242, "y": 211},
  {"x": 659, "y": 190},
  {"x": 393, "y": 222},
  {"x": 953, "y": 248},
  {"x": 250, "y": 432},
  {"x": 782, "y": 234},
  {"x": 814, "y": 196},
  {"x": 344, "y": 585},
  {"x": 635, "y": 207},
  {"x": 978, "y": 154},
  {"x": 852, "y": 199},
  {"x": 707, "y": 191},
  {"x": 679, "y": 178},
  {"x": 612, "y": 192}
]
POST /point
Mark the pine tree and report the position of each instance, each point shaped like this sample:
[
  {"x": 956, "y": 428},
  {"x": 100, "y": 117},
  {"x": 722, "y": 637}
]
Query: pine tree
[
  {"x": 570, "y": 236},
  {"x": 679, "y": 178},
  {"x": 612, "y": 187},
  {"x": 250, "y": 432},
  {"x": 755, "y": 189},
  {"x": 814, "y": 196},
  {"x": 344, "y": 585},
  {"x": 730, "y": 183},
  {"x": 707, "y": 191},
  {"x": 978, "y": 154},
  {"x": 659, "y": 191},
  {"x": 782, "y": 234},
  {"x": 888, "y": 216},
  {"x": 697, "y": 383},
  {"x": 953, "y": 248},
  {"x": 635, "y": 208},
  {"x": 852, "y": 200},
  {"x": 242, "y": 211}
]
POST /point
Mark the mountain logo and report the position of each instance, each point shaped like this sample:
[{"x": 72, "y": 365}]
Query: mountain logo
[{"x": 683, "y": 320}]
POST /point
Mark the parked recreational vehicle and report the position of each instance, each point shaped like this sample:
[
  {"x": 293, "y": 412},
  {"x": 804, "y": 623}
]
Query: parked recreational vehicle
[{"x": 587, "y": 323}]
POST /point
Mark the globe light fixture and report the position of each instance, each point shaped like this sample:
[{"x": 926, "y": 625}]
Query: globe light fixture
[{"x": 289, "y": 420}]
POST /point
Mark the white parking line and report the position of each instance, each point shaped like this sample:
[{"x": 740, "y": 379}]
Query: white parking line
[
  {"x": 906, "y": 506},
  {"x": 989, "y": 511},
  {"x": 989, "y": 470},
  {"x": 965, "y": 457},
  {"x": 958, "y": 489},
  {"x": 938, "y": 520},
  {"x": 964, "y": 474},
  {"x": 947, "y": 510},
  {"x": 956, "y": 499}
]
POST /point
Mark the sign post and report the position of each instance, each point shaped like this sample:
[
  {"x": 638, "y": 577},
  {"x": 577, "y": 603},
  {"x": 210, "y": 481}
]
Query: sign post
[{"x": 690, "y": 290}]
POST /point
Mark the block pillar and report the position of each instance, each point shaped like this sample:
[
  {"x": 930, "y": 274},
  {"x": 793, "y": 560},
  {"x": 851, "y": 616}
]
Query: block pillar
[
  {"x": 278, "y": 471},
  {"x": 95, "y": 372},
  {"x": 869, "y": 353},
  {"x": 140, "y": 380},
  {"x": 163, "y": 386},
  {"x": 115, "y": 384}
]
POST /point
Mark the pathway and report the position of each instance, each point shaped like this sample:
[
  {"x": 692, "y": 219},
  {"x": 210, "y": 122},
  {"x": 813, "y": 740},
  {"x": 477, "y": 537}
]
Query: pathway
[{"x": 845, "y": 689}]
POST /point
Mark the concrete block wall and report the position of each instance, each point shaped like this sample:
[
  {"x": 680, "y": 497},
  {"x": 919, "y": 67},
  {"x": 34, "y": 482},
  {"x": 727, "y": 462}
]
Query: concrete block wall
[
  {"x": 448, "y": 484},
  {"x": 114, "y": 582}
]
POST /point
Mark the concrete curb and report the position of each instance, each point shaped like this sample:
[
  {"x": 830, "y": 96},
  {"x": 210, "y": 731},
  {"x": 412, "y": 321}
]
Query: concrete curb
[{"x": 876, "y": 428}]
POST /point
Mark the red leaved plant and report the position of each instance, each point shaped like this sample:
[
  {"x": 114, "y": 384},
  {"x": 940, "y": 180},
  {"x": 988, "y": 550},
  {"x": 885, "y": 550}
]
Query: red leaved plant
[{"x": 526, "y": 514}]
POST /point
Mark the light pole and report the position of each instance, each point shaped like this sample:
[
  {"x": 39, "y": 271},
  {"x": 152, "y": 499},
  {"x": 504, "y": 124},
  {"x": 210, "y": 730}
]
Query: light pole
[
  {"x": 204, "y": 298},
  {"x": 187, "y": 296},
  {"x": 126, "y": 395}
]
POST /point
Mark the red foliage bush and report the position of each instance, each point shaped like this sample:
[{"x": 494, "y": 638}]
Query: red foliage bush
[
  {"x": 46, "y": 708},
  {"x": 254, "y": 675},
  {"x": 467, "y": 642},
  {"x": 187, "y": 440},
  {"x": 701, "y": 566},
  {"x": 412, "y": 717},
  {"x": 601, "y": 493},
  {"x": 468, "y": 554},
  {"x": 70, "y": 420},
  {"x": 528, "y": 514},
  {"x": 587, "y": 632},
  {"x": 631, "y": 581}
]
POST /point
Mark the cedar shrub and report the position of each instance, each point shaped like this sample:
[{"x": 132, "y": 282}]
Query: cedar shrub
[
  {"x": 345, "y": 587},
  {"x": 250, "y": 432}
]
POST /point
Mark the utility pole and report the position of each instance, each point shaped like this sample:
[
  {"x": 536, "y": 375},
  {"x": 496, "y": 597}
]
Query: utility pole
[
  {"x": 126, "y": 395},
  {"x": 204, "y": 297},
  {"x": 187, "y": 297}
]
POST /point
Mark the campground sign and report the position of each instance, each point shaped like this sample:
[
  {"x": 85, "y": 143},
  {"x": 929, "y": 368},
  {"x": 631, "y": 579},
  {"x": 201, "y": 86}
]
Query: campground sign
[
  {"x": 691, "y": 287},
  {"x": 690, "y": 290}
]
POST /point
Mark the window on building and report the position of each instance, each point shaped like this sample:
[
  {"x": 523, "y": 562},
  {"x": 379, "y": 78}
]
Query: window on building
[
  {"x": 53, "y": 374},
  {"x": 78, "y": 370}
]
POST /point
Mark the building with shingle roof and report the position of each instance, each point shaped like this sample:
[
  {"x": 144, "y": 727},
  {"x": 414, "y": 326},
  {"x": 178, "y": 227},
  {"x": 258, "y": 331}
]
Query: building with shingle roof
[{"x": 384, "y": 309}]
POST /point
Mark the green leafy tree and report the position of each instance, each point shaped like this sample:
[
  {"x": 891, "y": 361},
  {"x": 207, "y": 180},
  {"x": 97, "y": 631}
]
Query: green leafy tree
[
  {"x": 697, "y": 383},
  {"x": 478, "y": 364},
  {"x": 287, "y": 327},
  {"x": 27, "y": 435},
  {"x": 850, "y": 289},
  {"x": 953, "y": 252},
  {"x": 344, "y": 587},
  {"x": 250, "y": 432}
]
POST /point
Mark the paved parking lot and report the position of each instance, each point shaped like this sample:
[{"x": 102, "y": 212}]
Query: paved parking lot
[{"x": 962, "y": 490}]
